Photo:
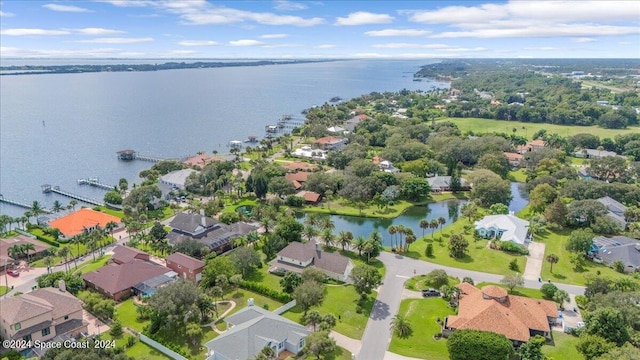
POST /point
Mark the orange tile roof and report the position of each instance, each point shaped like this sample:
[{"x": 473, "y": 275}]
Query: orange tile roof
[
  {"x": 311, "y": 196},
  {"x": 492, "y": 309},
  {"x": 538, "y": 143},
  {"x": 299, "y": 165},
  {"x": 80, "y": 220},
  {"x": 327, "y": 140},
  {"x": 299, "y": 176},
  {"x": 513, "y": 156},
  {"x": 199, "y": 160}
]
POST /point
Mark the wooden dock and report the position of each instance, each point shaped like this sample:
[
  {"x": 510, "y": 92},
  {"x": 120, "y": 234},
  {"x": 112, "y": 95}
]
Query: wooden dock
[
  {"x": 19, "y": 204},
  {"x": 56, "y": 189},
  {"x": 94, "y": 181},
  {"x": 134, "y": 155}
]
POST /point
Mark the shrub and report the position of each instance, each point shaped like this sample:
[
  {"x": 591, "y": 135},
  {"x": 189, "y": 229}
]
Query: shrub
[
  {"x": 116, "y": 329},
  {"x": 295, "y": 201},
  {"x": 619, "y": 266},
  {"x": 508, "y": 246},
  {"x": 548, "y": 290},
  {"x": 513, "y": 265},
  {"x": 229, "y": 218},
  {"x": 581, "y": 301},
  {"x": 437, "y": 278},
  {"x": 428, "y": 252},
  {"x": 131, "y": 340},
  {"x": 478, "y": 345},
  {"x": 266, "y": 291}
]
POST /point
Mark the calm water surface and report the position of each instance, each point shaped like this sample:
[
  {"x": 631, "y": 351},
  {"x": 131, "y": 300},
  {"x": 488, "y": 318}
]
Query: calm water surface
[{"x": 58, "y": 128}]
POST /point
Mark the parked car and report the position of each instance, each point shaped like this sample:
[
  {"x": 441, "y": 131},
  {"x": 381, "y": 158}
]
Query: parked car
[
  {"x": 430, "y": 293},
  {"x": 13, "y": 272}
]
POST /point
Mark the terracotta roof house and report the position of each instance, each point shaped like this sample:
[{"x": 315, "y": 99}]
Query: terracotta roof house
[
  {"x": 207, "y": 231},
  {"x": 300, "y": 176},
  {"x": 82, "y": 220},
  {"x": 299, "y": 256},
  {"x": 492, "y": 309},
  {"x": 186, "y": 266},
  {"x": 41, "y": 315},
  {"x": 617, "y": 248},
  {"x": 514, "y": 158},
  {"x": 251, "y": 329},
  {"x": 117, "y": 281},
  {"x": 504, "y": 227},
  {"x": 125, "y": 254},
  {"x": 531, "y": 146},
  {"x": 615, "y": 210},
  {"x": 443, "y": 183},
  {"x": 299, "y": 166},
  {"x": 330, "y": 143},
  {"x": 199, "y": 160},
  {"x": 6, "y": 244}
]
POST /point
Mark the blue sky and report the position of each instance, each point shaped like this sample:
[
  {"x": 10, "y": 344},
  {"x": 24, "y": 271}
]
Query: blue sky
[{"x": 319, "y": 29}]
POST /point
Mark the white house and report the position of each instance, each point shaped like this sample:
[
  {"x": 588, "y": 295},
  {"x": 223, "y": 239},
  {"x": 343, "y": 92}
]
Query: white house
[
  {"x": 177, "y": 178},
  {"x": 308, "y": 152},
  {"x": 504, "y": 227}
]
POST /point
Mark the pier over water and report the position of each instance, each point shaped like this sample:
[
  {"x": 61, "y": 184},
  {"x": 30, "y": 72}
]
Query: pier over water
[
  {"x": 19, "y": 204},
  {"x": 94, "y": 181},
  {"x": 133, "y": 155},
  {"x": 46, "y": 188}
]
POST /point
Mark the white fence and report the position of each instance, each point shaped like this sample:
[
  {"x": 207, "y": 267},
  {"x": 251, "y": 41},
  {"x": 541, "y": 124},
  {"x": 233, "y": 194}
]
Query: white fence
[
  {"x": 284, "y": 307},
  {"x": 163, "y": 349}
]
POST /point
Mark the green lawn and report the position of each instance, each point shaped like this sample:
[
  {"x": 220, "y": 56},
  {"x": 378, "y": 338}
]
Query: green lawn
[
  {"x": 520, "y": 291},
  {"x": 420, "y": 282},
  {"x": 3, "y": 290},
  {"x": 563, "y": 271},
  {"x": 94, "y": 264},
  {"x": 139, "y": 350},
  {"x": 563, "y": 347},
  {"x": 73, "y": 251},
  {"x": 518, "y": 176},
  {"x": 106, "y": 210},
  {"x": 127, "y": 315},
  {"x": 340, "y": 206},
  {"x": 477, "y": 125},
  {"x": 479, "y": 256},
  {"x": 242, "y": 296},
  {"x": 422, "y": 314},
  {"x": 339, "y": 354},
  {"x": 341, "y": 301}
]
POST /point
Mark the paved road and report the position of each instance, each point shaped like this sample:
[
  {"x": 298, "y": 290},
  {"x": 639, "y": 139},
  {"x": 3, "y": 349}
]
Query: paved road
[{"x": 377, "y": 334}]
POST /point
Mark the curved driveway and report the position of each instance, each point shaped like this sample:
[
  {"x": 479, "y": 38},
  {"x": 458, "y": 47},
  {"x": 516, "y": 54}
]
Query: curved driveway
[{"x": 377, "y": 334}]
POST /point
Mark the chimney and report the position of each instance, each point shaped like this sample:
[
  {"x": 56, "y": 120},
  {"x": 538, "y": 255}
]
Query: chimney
[
  {"x": 250, "y": 302},
  {"x": 317, "y": 247},
  {"x": 62, "y": 286},
  {"x": 203, "y": 219}
]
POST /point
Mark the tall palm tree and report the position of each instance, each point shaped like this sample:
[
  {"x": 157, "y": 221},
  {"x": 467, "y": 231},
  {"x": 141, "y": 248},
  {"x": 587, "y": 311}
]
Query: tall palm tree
[
  {"x": 110, "y": 226},
  {"x": 57, "y": 206},
  {"x": 64, "y": 253},
  {"x": 401, "y": 326},
  {"x": 28, "y": 214},
  {"x": 28, "y": 247},
  {"x": 359, "y": 244},
  {"x": 552, "y": 259},
  {"x": 24, "y": 220},
  {"x": 424, "y": 224},
  {"x": 15, "y": 251},
  {"x": 401, "y": 230},
  {"x": 392, "y": 232},
  {"x": 36, "y": 209},
  {"x": 78, "y": 239},
  {"x": 327, "y": 224},
  {"x": 441, "y": 222},
  {"x": 410, "y": 239},
  {"x": 312, "y": 220},
  {"x": 328, "y": 238},
  {"x": 48, "y": 260},
  {"x": 73, "y": 204},
  {"x": 345, "y": 238},
  {"x": 433, "y": 224}
]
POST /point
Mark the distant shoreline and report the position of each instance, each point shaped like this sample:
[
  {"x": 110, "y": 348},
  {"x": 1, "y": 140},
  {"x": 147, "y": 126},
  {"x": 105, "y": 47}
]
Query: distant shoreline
[{"x": 73, "y": 69}]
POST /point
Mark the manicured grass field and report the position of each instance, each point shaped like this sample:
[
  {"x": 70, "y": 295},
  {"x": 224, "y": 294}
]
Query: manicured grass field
[
  {"x": 94, "y": 264},
  {"x": 139, "y": 350},
  {"x": 477, "y": 126},
  {"x": 420, "y": 282},
  {"x": 3, "y": 290},
  {"x": 242, "y": 296},
  {"x": 479, "y": 256},
  {"x": 73, "y": 251},
  {"x": 526, "y": 292},
  {"x": 422, "y": 314},
  {"x": 518, "y": 175},
  {"x": 563, "y": 347},
  {"x": 127, "y": 315},
  {"x": 341, "y": 302}
]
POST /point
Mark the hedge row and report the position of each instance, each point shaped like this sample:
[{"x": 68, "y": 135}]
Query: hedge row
[
  {"x": 263, "y": 290},
  {"x": 50, "y": 242}
]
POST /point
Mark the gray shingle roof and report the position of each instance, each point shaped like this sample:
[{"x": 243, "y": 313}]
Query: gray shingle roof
[
  {"x": 444, "y": 182},
  {"x": 618, "y": 248},
  {"x": 253, "y": 329},
  {"x": 332, "y": 262},
  {"x": 26, "y": 306},
  {"x": 191, "y": 223}
]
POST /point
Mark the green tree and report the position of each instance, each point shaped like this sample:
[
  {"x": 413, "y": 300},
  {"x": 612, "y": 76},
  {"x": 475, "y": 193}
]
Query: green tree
[
  {"x": 512, "y": 281},
  {"x": 496, "y": 209},
  {"x": 308, "y": 294},
  {"x": 580, "y": 241},
  {"x": 401, "y": 326},
  {"x": 609, "y": 324},
  {"x": 116, "y": 329},
  {"x": 532, "y": 350},
  {"x": 345, "y": 238},
  {"x": 193, "y": 332},
  {"x": 593, "y": 346},
  {"x": 626, "y": 352},
  {"x": 458, "y": 246},
  {"x": 414, "y": 188},
  {"x": 113, "y": 197},
  {"x": 312, "y": 318},
  {"x": 469, "y": 210},
  {"x": 496, "y": 162},
  {"x": 157, "y": 231},
  {"x": 281, "y": 186},
  {"x": 437, "y": 278},
  {"x": 221, "y": 265},
  {"x": 478, "y": 345},
  {"x": 548, "y": 290},
  {"x": 365, "y": 279},
  {"x": 290, "y": 281},
  {"x": 541, "y": 196},
  {"x": 174, "y": 306},
  {"x": 556, "y": 213},
  {"x": 428, "y": 252},
  {"x": 560, "y": 297},
  {"x": 489, "y": 188},
  {"x": 552, "y": 259},
  {"x": 123, "y": 185},
  {"x": 319, "y": 344},
  {"x": 246, "y": 260}
]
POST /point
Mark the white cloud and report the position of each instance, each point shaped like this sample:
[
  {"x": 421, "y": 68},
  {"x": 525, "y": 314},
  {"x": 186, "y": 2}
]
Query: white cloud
[
  {"x": 245, "y": 43},
  {"x": 65, "y": 8},
  {"x": 281, "y": 45},
  {"x": 285, "y": 5},
  {"x": 410, "y": 45},
  {"x": 180, "y": 52},
  {"x": 558, "y": 30},
  {"x": 198, "y": 43},
  {"x": 325, "y": 46},
  {"x": 38, "y": 53},
  {"x": 625, "y": 43},
  {"x": 397, "y": 32},
  {"x": 33, "y": 32},
  {"x": 543, "y": 48},
  {"x": 363, "y": 18},
  {"x": 584, "y": 40},
  {"x": 116, "y": 40},
  {"x": 98, "y": 31},
  {"x": 6, "y": 14},
  {"x": 273, "y": 36}
]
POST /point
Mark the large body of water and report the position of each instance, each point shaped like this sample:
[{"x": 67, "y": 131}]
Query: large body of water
[{"x": 58, "y": 128}]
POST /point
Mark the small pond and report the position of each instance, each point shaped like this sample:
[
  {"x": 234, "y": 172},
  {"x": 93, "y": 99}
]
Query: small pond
[{"x": 448, "y": 209}]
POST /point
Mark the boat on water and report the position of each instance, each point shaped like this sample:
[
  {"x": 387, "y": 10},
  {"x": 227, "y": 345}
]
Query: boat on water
[
  {"x": 335, "y": 99},
  {"x": 235, "y": 143},
  {"x": 252, "y": 139}
]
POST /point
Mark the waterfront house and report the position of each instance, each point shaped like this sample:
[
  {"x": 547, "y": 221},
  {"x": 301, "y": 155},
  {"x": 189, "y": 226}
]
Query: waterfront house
[
  {"x": 311, "y": 197},
  {"x": 41, "y": 315},
  {"x": 328, "y": 143},
  {"x": 492, "y": 309},
  {"x": 617, "y": 248},
  {"x": 336, "y": 130},
  {"x": 299, "y": 256},
  {"x": 297, "y": 179},
  {"x": 443, "y": 183},
  {"x": 40, "y": 249},
  {"x": 215, "y": 235},
  {"x": 82, "y": 220},
  {"x": 253, "y": 328},
  {"x": 176, "y": 179},
  {"x": 615, "y": 210},
  {"x": 308, "y": 152},
  {"x": 185, "y": 266},
  {"x": 504, "y": 228}
]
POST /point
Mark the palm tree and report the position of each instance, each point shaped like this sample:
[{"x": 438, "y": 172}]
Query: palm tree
[
  {"x": 410, "y": 239},
  {"x": 57, "y": 206},
  {"x": 312, "y": 220},
  {"x": 28, "y": 247},
  {"x": 313, "y": 318},
  {"x": 469, "y": 210},
  {"x": 78, "y": 239},
  {"x": 36, "y": 210},
  {"x": 327, "y": 224},
  {"x": 401, "y": 326},
  {"x": 110, "y": 226},
  {"x": 48, "y": 260},
  {"x": 400, "y": 230},
  {"x": 552, "y": 259},
  {"x": 28, "y": 214},
  {"x": 423, "y": 225},
  {"x": 309, "y": 232},
  {"x": 64, "y": 253},
  {"x": 73, "y": 204},
  {"x": 392, "y": 232},
  {"x": 359, "y": 244},
  {"x": 433, "y": 224},
  {"x": 345, "y": 238},
  {"x": 15, "y": 251},
  {"x": 441, "y": 222},
  {"x": 328, "y": 238}
]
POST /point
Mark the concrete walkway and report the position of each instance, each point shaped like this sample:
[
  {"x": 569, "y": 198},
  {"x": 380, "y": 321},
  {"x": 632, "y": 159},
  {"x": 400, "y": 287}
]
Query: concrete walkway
[
  {"x": 352, "y": 345},
  {"x": 535, "y": 259}
]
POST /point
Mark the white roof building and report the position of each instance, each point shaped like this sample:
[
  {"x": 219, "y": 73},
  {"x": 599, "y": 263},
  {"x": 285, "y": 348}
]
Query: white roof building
[
  {"x": 504, "y": 227},
  {"x": 336, "y": 130},
  {"x": 177, "y": 178}
]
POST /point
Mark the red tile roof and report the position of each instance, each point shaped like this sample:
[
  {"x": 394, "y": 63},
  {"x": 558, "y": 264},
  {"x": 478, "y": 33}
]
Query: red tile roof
[
  {"x": 299, "y": 165},
  {"x": 513, "y": 156},
  {"x": 75, "y": 223},
  {"x": 327, "y": 140},
  {"x": 492, "y": 309},
  {"x": 311, "y": 196},
  {"x": 299, "y": 176}
]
